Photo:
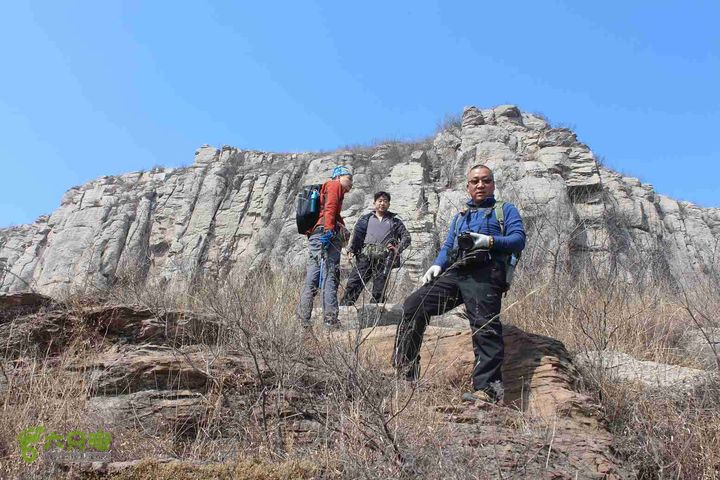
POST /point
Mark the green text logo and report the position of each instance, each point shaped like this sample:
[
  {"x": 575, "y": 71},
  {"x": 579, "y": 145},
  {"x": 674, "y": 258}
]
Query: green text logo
[{"x": 32, "y": 439}]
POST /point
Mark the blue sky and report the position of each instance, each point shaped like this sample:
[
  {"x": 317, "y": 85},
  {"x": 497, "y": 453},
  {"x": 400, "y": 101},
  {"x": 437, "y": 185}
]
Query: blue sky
[{"x": 92, "y": 88}]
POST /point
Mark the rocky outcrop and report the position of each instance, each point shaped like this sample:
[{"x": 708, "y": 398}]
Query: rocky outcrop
[
  {"x": 157, "y": 384},
  {"x": 702, "y": 346},
  {"x": 623, "y": 367},
  {"x": 539, "y": 379},
  {"x": 232, "y": 210},
  {"x": 17, "y": 304}
]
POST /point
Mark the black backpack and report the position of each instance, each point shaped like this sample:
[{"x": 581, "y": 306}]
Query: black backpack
[{"x": 307, "y": 207}]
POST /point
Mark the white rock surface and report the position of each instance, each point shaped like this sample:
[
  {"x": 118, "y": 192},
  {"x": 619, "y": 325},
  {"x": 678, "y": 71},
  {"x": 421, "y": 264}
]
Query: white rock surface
[
  {"x": 703, "y": 346},
  {"x": 623, "y": 367}
]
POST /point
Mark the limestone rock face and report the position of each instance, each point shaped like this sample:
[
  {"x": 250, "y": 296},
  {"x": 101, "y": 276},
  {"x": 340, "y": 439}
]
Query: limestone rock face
[{"x": 232, "y": 210}]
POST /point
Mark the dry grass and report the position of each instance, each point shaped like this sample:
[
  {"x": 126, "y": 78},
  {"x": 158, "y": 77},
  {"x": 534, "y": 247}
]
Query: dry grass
[
  {"x": 364, "y": 423},
  {"x": 644, "y": 323},
  {"x": 661, "y": 433},
  {"x": 245, "y": 469}
]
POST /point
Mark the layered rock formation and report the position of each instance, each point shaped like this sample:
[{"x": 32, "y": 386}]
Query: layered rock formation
[
  {"x": 232, "y": 210},
  {"x": 165, "y": 372}
]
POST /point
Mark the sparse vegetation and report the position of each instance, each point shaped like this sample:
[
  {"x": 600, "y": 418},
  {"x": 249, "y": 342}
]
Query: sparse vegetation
[
  {"x": 448, "y": 122},
  {"x": 366, "y": 424},
  {"x": 628, "y": 306},
  {"x": 541, "y": 116},
  {"x": 308, "y": 405}
]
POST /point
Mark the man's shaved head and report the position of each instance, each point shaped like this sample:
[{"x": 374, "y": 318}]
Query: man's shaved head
[{"x": 483, "y": 167}]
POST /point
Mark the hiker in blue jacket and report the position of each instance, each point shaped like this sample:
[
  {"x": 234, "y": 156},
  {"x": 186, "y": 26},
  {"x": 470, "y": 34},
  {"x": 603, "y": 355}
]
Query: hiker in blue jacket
[{"x": 471, "y": 269}]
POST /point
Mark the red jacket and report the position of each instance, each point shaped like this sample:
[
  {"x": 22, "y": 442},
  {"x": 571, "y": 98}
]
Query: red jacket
[{"x": 331, "y": 199}]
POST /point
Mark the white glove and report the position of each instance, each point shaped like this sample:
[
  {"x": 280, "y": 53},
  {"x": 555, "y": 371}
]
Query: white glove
[
  {"x": 481, "y": 241},
  {"x": 432, "y": 272}
]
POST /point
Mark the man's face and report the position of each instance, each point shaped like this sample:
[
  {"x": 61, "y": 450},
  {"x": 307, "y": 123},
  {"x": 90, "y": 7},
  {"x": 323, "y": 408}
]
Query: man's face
[
  {"x": 347, "y": 182},
  {"x": 382, "y": 204},
  {"x": 480, "y": 184}
]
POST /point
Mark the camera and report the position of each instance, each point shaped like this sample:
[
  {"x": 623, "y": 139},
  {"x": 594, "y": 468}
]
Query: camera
[{"x": 465, "y": 241}]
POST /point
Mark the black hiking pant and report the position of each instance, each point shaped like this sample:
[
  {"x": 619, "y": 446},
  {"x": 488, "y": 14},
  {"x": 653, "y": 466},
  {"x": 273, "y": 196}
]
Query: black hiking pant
[
  {"x": 366, "y": 269},
  {"x": 480, "y": 288}
]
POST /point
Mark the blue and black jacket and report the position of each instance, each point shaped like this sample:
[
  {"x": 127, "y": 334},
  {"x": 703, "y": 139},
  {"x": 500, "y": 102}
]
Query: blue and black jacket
[{"x": 482, "y": 219}]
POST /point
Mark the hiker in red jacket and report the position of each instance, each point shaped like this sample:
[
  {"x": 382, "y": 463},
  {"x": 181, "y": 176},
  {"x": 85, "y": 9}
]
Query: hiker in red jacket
[{"x": 325, "y": 241}]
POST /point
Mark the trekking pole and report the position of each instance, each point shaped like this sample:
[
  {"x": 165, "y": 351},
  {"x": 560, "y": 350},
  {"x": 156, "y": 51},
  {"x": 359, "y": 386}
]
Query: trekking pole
[
  {"x": 388, "y": 266},
  {"x": 321, "y": 282},
  {"x": 388, "y": 270},
  {"x": 353, "y": 263}
]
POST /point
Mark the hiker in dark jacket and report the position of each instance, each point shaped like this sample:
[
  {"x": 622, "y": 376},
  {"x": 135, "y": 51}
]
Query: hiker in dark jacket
[
  {"x": 471, "y": 269},
  {"x": 325, "y": 241},
  {"x": 378, "y": 239}
]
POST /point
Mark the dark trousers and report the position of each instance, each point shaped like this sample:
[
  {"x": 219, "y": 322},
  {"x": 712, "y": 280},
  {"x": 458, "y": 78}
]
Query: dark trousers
[
  {"x": 366, "y": 269},
  {"x": 480, "y": 288}
]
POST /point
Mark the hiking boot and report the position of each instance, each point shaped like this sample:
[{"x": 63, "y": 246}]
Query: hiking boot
[
  {"x": 332, "y": 324},
  {"x": 408, "y": 372},
  {"x": 478, "y": 397},
  {"x": 307, "y": 330}
]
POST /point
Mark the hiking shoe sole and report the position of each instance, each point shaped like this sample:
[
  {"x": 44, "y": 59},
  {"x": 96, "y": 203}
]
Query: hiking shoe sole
[{"x": 478, "y": 397}]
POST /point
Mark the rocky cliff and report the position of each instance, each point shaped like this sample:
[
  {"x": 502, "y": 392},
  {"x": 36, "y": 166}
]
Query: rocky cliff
[{"x": 232, "y": 210}]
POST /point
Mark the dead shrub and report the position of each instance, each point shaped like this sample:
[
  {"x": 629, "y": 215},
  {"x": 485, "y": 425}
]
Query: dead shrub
[{"x": 662, "y": 433}]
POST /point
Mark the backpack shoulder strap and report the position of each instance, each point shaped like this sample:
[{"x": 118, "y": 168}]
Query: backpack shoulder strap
[
  {"x": 500, "y": 215},
  {"x": 458, "y": 219},
  {"x": 321, "y": 199}
]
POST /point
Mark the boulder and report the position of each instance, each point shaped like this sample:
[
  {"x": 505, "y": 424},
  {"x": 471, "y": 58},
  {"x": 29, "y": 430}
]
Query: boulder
[
  {"x": 472, "y": 117},
  {"x": 624, "y": 367},
  {"x": 703, "y": 346}
]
